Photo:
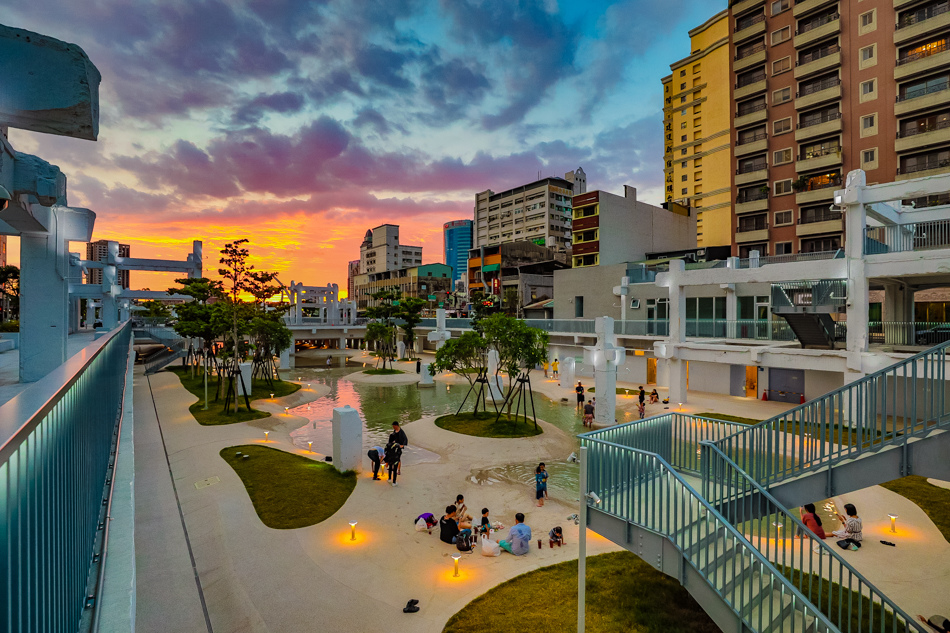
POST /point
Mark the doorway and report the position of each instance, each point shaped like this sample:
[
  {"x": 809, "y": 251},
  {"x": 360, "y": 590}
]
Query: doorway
[
  {"x": 751, "y": 382},
  {"x": 651, "y": 371}
]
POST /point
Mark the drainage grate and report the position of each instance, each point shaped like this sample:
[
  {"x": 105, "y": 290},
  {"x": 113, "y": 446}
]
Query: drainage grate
[{"x": 204, "y": 483}]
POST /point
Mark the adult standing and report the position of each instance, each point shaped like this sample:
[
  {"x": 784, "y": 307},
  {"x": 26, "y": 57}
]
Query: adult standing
[
  {"x": 579, "y": 390},
  {"x": 398, "y": 436},
  {"x": 589, "y": 414}
]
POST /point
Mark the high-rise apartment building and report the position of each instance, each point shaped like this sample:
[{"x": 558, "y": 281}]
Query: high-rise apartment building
[
  {"x": 696, "y": 131},
  {"x": 99, "y": 252},
  {"x": 538, "y": 212},
  {"x": 381, "y": 251},
  {"x": 457, "y": 240},
  {"x": 3, "y": 250},
  {"x": 579, "y": 179},
  {"x": 352, "y": 270}
]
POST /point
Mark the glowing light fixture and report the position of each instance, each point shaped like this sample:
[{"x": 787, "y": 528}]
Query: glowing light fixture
[
  {"x": 681, "y": 406},
  {"x": 272, "y": 395},
  {"x": 893, "y": 518},
  {"x": 456, "y": 558},
  {"x": 286, "y": 409},
  {"x": 310, "y": 446},
  {"x": 266, "y": 433},
  {"x": 353, "y": 533}
]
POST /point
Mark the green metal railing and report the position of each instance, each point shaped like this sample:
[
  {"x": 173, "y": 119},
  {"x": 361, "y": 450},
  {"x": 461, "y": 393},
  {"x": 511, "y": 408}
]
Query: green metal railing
[
  {"x": 908, "y": 333},
  {"x": 908, "y": 399},
  {"x": 642, "y": 488},
  {"x": 827, "y": 579},
  {"x": 56, "y": 442}
]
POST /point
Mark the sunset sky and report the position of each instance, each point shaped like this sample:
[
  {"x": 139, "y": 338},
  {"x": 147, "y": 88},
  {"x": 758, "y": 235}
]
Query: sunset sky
[{"x": 301, "y": 124}]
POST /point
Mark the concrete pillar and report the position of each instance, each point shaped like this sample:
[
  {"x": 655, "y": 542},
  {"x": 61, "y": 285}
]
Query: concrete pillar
[
  {"x": 732, "y": 310},
  {"x": 858, "y": 295},
  {"x": 347, "y": 439},
  {"x": 44, "y": 288},
  {"x": 676, "y": 369},
  {"x": 496, "y": 387},
  {"x": 605, "y": 358},
  {"x": 400, "y": 349},
  {"x": 425, "y": 379},
  {"x": 341, "y": 344},
  {"x": 287, "y": 358},
  {"x": 566, "y": 372},
  {"x": 246, "y": 370}
]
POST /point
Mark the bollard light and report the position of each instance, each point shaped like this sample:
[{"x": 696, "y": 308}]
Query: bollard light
[
  {"x": 456, "y": 558},
  {"x": 266, "y": 433},
  {"x": 353, "y": 530},
  {"x": 893, "y": 518},
  {"x": 310, "y": 446},
  {"x": 681, "y": 406},
  {"x": 778, "y": 527},
  {"x": 286, "y": 409},
  {"x": 272, "y": 396}
]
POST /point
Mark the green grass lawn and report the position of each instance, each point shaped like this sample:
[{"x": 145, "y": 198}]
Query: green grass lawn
[
  {"x": 289, "y": 491},
  {"x": 841, "y": 605},
  {"x": 624, "y": 595},
  {"x": 215, "y": 414},
  {"x": 842, "y": 435},
  {"x": 483, "y": 425},
  {"x": 383, "y": 372},
  {"x": 933, "y": 500},
  {"x": 729, "y": 418}
]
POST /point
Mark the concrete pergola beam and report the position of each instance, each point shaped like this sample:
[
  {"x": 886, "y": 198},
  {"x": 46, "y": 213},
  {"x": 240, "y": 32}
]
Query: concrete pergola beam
[{"x": 50, "y": 86}]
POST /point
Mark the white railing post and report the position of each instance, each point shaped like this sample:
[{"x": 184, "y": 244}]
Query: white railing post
[{"x": 582, "y": 544}]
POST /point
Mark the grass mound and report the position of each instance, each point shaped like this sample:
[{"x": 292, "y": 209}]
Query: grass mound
[
  {"x": 483, "y": 424},
  {"x": 729, "y": 418},
  {"x": 933, "y": 500},
  {"x": 289, "y": 491},
  {"x": 215, "y": 414},
  {"x": 383, "y": 372},
  {"x": 624, "y": 594}
]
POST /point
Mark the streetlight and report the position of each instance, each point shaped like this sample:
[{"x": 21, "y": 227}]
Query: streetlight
[
  {"x": 353, "y": 532},
  {"x": 893, "y": 518},
  {"x": 456, "y": 558}
]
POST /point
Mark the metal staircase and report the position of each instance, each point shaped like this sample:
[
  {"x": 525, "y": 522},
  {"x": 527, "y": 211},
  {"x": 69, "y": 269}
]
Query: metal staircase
[
  {"x": 807, "y": 306},
  {"x": 733, "y": 544},
  {"x": 175, "y": 346}
]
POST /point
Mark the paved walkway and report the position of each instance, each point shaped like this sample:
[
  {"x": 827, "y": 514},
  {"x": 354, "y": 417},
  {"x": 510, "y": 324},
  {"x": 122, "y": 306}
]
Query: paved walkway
[{"x": 255, "y": 578}]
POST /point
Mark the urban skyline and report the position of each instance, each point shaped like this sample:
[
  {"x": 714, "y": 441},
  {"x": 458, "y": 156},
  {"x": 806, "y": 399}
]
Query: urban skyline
[{"x": 330, "y": 148}]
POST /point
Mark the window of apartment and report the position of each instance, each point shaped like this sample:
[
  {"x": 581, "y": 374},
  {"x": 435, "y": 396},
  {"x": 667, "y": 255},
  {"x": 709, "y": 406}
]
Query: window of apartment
[
  {"x": 781, "y": 35},
  {"x": 821, "y": 244},
  {"x": 781, "y": 126},
  {"x": 684, "y": 191},
  {"x": 780, "y": 5},
  {"x": 683, "y": 100},
  {"x": 924, "y": 87},
  {"x": 782, "y": 156},
  {"x": 683, "y": 112},
  {"x": 749, "y": 49},
  {"x": 817, "y": 117},
  {"x": 683, "y": 139},
  {"x": 783, "y": 187},
  {"x": 869, "y": 159},
  {"x": 697, "y": 122},
  {"x": 698, "y": 189},
  {"x": 783, "y": 217},
  {"x": 781, "y": 65},
  {"x": 867, "y": 87},
  {"x": 821, "y": 148},
  {"x": 745, "y": 250},
  {"x": 683, "y": 164},
  {"x": 869, "y": 125},
  {"x": 696, "y": 68},
  {"x": 683, "y": 125},
  {"x": 750, "y": 136},
  {"x": 697, "y": 109},
  {"x": 781, "y": 96},
  {"x": 749, "y": 223},
  {"x": 579, "y": 301},
  {"x": 682, "y": 73},
  {"x": 783, "y": 248},
  {"x": 683, "y": 177},
  {"x": 868, "y": 56},
  {"x": 698, "y": 176},
  {"x": 749, "y": 165},
  {"x": 683, "y": 151},
  {"x": 868, "y": 22}
]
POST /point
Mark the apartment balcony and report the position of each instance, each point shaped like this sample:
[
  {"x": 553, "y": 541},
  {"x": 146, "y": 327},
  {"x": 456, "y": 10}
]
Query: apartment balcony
[
  {"x": 828, "y": 125},
  {"x": 830, "y": 223},
  {"x": 753, "y": 115},
  {"x": 901, "y": 4},
  {"x": 818, "y": 194},
  {"x": 741, "y": 92},
  {"x": 939, "y": 135},
  {"x": 756, "y": 28},
  {"x": 815, "y": 162},
  {"x": 923, "y": 100},
  {"x": 759, "y": 143},
  {"x": 752, "y": 59},
  {"x": 758, "y": 201},
  {"x": 909, "y": 31},
  {"x": 744, "y": 236},
  {"x": 815, "y": 66},
  {"x": 741, "y": 7},
  {"x": 933, "y": 168},
  {"x": 816, "y": 33},
  {"x": 804, "y": 7},
  {"x": 756, "y": 174},
  {"x": 825, "y": 94},
  {"x": 927, "y": 61}
]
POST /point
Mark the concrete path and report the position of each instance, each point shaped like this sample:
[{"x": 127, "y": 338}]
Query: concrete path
[{"x": 258, "y": 579}]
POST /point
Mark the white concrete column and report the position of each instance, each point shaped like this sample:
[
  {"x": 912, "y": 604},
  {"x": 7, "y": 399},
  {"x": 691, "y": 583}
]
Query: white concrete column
[
  {"x": 677, "y": 303},
  {"x": 855, "y": 228},
  {"x": 44, "y": 291},
  {"x": 676, "y": 369},
  {"x": 247, "y": 370},
  {"x": 347, "y": 439},
  {"x": 732, "y": 309},
  {"x": 341, "y": 343},
  {"x": 287, "y": 358}
]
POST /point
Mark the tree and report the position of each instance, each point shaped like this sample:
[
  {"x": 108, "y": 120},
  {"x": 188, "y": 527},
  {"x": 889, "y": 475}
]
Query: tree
[
  {"x": 511, "y": 302},
  {"x": 464, "y": 355},
  {"x": 384, "y": 313},
  {"x": 258, "y": 284},
  {"x": 518, "y": 346},
  {"x": 194, "y": 318},
  {"x": 9, "y": 292},
  {"x": 155, "y": 310},
  {"x": 411, "y": 314}
]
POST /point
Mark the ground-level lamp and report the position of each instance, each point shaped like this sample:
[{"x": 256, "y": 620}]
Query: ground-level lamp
[
  {"x": 681, "y": 406},
  {"x": 272, "y": 396},
  {"x": 310, "y": 446},
  {"x": 778, "y": 527},
  {"x": 893, "y": 518},
  {"x": 456, "y": 558},
  {"x": 266, "y": 433},
  {"x": 353, "y": 530},
  {"x": 286, "y": 409}
]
